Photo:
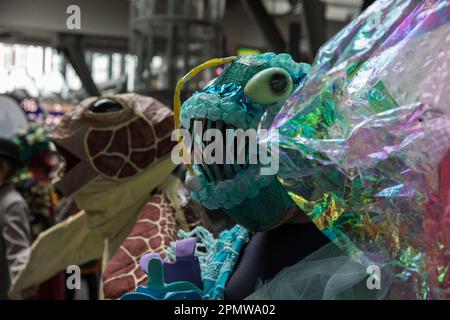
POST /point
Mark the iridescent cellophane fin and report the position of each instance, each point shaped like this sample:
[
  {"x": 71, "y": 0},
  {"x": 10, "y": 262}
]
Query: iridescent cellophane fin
[{"x": 364, "y": 143}]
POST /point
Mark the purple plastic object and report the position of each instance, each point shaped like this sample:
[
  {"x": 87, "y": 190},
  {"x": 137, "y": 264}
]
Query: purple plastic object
[
  {"x": 185, "y": 268},
  {"x": 143, "y": 262}
]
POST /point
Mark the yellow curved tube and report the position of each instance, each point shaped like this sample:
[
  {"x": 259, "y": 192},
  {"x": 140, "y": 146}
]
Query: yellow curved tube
[{"x": 177, "y": 100}]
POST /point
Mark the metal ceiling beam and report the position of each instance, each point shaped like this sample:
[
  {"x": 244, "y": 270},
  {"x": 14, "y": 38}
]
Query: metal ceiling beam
[
  {"x": 366, "y": 4},
  {"x": 294, "y": 40},
  {"x": 71, "y": 46},
  {"x": 272, "y": 34},
  {"x": 314, "y": 12}
]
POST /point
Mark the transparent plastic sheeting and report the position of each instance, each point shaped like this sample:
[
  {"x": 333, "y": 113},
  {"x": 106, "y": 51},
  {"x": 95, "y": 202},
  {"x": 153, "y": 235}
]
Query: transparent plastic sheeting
[{"x": 365, "y": 144}]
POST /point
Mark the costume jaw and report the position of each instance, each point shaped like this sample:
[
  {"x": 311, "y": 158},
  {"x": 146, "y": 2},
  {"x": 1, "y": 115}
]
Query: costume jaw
[
  {"x": 76, "y": 171},
  {"x": 73, "y": 175}
]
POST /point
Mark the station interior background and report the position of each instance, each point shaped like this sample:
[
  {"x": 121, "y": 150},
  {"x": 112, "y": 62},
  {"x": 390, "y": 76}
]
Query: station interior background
[{"x": 146, "y": 45}]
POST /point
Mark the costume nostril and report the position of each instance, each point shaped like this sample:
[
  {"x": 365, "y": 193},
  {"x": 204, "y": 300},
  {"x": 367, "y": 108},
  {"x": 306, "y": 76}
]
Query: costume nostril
[{"x": 105, "y": 105}]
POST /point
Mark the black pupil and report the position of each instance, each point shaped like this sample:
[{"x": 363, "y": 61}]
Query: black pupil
[
  {"x": 105, "y": 105},
  {"x": 279, "y": 83}
]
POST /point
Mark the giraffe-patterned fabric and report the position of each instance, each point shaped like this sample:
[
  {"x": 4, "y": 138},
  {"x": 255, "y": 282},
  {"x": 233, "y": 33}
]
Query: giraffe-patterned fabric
[
  {"x": 168, "y": 210},
  {"x": 155, "y": 228}
]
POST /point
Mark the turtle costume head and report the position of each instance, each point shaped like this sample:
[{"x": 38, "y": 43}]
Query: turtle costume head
[
  {"x": 109, "y": 142},
  {"x": 247, "y": 94}
]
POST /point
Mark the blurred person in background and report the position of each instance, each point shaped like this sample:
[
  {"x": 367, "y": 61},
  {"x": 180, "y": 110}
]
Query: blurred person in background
[
  {"x": 15, "y": 235},
  {"x": 33, "y": 181}
]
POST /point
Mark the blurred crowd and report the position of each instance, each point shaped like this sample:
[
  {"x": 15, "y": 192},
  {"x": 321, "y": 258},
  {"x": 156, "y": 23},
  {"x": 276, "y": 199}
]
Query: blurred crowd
[{"x": 29, "y": 204}]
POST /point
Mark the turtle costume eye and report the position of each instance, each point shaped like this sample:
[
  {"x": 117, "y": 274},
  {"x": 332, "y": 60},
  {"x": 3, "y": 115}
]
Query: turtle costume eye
[
  {"x": 269, "y": 86},
  {"x": 105, "y": 105}
]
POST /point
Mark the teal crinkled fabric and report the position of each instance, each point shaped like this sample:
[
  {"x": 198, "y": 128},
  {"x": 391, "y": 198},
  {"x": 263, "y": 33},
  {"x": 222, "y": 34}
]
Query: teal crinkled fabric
[
  {"x": 229, "y": 193},
  {"x": 217, "y": 257}
]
